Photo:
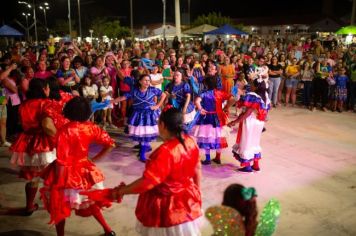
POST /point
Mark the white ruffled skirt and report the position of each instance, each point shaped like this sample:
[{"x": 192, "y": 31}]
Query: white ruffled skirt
[{"x": 190, "y": 228}]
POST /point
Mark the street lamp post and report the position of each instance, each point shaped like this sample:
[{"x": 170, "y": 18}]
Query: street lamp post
[
  {"x": 69, "y": 19},
  {"x": 164, "y": 19},
  {"x": 80, "y": 20},
  {"x": 34, "y": 15},
  {"x": 177, "y": 16},
  {"x": 26, "y": 15},
  {"x": 131, "y": 19},
  {"x": 91, "y": 35},
  {"x": 44, "y": 8}
]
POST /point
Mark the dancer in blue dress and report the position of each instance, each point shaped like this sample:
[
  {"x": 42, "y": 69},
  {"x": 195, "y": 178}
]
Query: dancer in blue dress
[
  {"x": 209, "y": 125},
  {"x": 179, "y": 96},
  {"x": 142, "y": 122}
]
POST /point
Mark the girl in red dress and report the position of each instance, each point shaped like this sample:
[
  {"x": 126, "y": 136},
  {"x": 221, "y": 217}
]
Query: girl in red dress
[
  {"x": 169, "y": 197},
  {"x": 34, "y": 148},
  {"x": 73, "y": 172}
]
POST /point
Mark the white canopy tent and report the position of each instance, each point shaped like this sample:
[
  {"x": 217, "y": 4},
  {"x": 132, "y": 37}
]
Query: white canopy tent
[{"x": 200, "y": 30}]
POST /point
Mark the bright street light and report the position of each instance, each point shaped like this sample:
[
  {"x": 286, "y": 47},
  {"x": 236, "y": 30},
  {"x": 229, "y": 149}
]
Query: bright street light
[
  {"x": 34, "y": 15},
  {"x": 69, "y": 20},
  {"x": 44, "y": 8},
  {"x": 27, "y": 29}
]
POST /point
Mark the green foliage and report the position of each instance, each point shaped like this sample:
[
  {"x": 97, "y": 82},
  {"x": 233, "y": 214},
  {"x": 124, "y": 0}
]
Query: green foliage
[
  {"x": 215, "y": 19},
  {"x": 110, "y": 28}
]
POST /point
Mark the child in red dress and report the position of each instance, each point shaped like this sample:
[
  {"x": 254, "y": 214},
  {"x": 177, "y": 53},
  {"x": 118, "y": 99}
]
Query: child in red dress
[{"x": 73, "y": 172}]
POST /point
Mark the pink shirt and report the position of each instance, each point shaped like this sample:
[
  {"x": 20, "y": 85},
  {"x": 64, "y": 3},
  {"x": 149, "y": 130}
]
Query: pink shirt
[
  {"x": 96, "y": 72},
  {"x": 42, "y": 74}
]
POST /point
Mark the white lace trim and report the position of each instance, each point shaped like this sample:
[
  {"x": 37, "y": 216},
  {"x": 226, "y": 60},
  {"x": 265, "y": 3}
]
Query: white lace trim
[{"x": 38, "y": 159}]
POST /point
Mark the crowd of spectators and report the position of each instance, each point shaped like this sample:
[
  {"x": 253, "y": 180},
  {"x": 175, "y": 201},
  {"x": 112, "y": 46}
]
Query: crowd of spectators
[{"x": 304, "y": 72}]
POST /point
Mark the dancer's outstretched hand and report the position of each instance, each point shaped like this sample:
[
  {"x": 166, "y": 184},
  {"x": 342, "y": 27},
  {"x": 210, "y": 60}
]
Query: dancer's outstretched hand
[
  {"x": 153, "y": 108},
  {"x": 203, "y": 111},
  {"x": 231, "y": 124},
  {"x": 116, "y": 193}
]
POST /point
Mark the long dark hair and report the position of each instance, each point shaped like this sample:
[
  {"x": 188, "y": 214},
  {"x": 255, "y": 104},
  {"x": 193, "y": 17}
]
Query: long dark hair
[
  {"x": 247, "y": 208},
  {"x": 54, "y": 88},
  {"x": 35, "y": 89},
  {"x": 173, "y": 120}
]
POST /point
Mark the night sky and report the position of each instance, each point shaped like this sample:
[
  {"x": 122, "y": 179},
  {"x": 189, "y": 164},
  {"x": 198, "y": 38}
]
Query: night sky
[{"x": 151, "y": 11}]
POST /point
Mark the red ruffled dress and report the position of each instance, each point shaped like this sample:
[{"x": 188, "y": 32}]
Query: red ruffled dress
[
  {"x": 73, "y": 172},
  {"x": 33, "y": 150},
  {"x": 65, "y": 97},
  {"x": 58, "y": 107},
  {"x": 173, "y": 206}
]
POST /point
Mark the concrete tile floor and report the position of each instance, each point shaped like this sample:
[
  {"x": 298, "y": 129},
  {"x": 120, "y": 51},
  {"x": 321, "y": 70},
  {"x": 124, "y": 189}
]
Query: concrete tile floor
[{"x": 309, "y": 165}]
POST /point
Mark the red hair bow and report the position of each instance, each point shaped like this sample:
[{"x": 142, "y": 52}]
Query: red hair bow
[{"x": 167, "y": 107}]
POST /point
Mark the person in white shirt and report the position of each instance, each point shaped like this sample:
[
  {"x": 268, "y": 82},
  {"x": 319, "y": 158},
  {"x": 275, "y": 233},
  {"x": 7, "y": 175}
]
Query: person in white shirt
[
  {"x": 106, "y": 94},
  {"x": 156, "y": 78},
  {"x": 89, "y": 89}
]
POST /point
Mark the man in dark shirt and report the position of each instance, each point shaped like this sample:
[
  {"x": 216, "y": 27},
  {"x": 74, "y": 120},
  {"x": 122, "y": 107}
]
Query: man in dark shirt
[{"x": 208, "y": 46}]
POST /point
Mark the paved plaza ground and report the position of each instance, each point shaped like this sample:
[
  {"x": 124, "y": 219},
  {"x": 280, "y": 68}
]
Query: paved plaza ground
[{"x": 309, "y": 165}]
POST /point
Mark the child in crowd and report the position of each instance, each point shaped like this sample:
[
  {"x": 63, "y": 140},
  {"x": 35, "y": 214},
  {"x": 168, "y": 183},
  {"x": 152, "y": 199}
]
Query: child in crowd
[
  {"x": 89, "y": 90},
  {"x": 340, "y": 93},
  {"x": 166, "y": 73},
  {"x": 106, "y": 94}
]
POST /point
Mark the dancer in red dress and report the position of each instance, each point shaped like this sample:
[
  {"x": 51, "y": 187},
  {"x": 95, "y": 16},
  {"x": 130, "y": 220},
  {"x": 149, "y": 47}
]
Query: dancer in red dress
[
  {"x": 34, "y": 148},
  {"x": 73, "y": 172},
  {"x": 169, "y": 197}
]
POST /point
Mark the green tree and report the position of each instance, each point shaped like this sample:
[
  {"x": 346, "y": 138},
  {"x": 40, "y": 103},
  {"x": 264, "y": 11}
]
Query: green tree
[
  {"x": 215, "y": 19},
  {"x": 61, "y": 27},
  {"x": 109, "y": 28}
]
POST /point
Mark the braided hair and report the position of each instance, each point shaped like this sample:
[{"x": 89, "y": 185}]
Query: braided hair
[
  {"x": 173, "y": 120},
  {"x": 247, "y": 208}
]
